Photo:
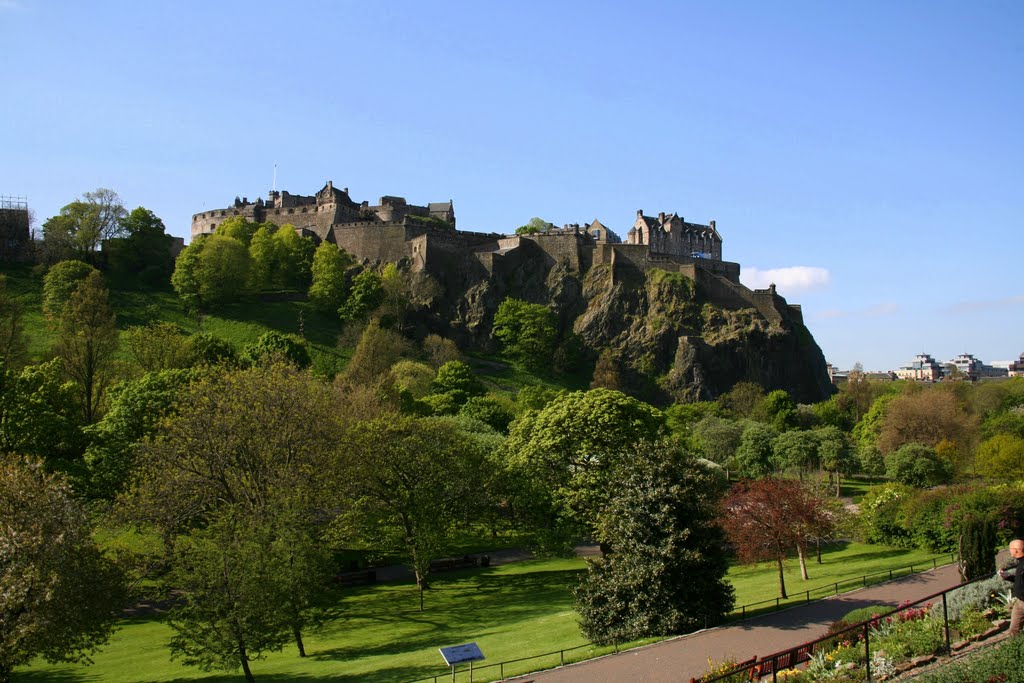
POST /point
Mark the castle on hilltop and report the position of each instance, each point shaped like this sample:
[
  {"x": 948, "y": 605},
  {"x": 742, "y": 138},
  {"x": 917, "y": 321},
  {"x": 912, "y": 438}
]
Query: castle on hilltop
[{"x": 393, "y": 230}]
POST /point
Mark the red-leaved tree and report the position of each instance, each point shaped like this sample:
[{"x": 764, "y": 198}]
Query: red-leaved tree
[{"x": 766, "y": 519}]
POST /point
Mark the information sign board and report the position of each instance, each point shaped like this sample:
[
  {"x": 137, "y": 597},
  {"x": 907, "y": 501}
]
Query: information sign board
[{"x": 457, "y": 654}]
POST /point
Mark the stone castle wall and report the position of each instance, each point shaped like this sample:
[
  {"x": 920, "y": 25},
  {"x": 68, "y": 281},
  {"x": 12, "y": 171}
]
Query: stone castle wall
[{"x": 14, "y": 235}]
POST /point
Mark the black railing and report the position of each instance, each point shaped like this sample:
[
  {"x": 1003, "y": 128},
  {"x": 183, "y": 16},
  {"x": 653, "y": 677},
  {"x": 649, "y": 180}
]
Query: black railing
[
  {"x": 830, "y": 589},
  {"x": 742, "y": 612},
  {"x": 758, "y": 668}
]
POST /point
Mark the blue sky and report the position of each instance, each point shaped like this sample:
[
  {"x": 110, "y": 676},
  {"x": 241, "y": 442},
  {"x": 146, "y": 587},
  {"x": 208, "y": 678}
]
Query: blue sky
[{"x": 867, "y": 157}]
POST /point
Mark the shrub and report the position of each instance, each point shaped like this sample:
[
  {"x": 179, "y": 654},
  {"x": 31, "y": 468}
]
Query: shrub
[
  {"x": 60, "y": 282},
  {"x": 974, "y": 596},
  {"x": 1001, "y": 664},
  {"x": 274, "y": 347},
  {"x": 972, "y": 623}
]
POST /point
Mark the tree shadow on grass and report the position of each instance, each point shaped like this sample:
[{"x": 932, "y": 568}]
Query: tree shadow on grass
[{"x": 53, "y": 676}]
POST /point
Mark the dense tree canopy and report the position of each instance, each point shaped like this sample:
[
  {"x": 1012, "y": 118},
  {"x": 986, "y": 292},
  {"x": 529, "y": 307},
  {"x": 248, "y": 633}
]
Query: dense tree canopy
[
  {"x": 527, "y": 332},
  {"x": 58, "y": 594}
]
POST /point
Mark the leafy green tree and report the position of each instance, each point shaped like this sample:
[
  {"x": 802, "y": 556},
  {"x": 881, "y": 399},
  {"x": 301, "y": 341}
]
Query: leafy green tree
[
  {"x": 241, "y": 228},
  {"x": 413, "y": 377},
  {"x": 917, "y": 465},
  {"x": 606, "y": 371},
  {"x": 40, "y": 414},
  {"x": 1000, "y": 457},
  {"x": 209, "y": 349},
  {"x": 718, "y": 439},
  {"x": 58, "y": 594},
  {"x": 13, "y": 345},
  {"x": 871, "y": 461},
  {"x": 329, "y": 287},
  {"x": 158, "y": 346},
  {"x": 488, "y": 410},
  {"x": 754, "y": 457},
  {"x": 274, "y": 347},
  {"x": 573, "y": 447},
  {"x": 409, "y": 482},
  {"x": 144, "y": 256},
  {"x": 776, "y": 409},
  {"x": 87, "y": 341},
  {"x": 366, "y": 294},
  {"x": 136, "y": 408},
  {"x": 835, "y": 454},
  {"x": 533, "y": 226},
  {"x": 222, "y": 271},
  {"x": 237, "y": 438},
  {"x": 742, "y": 399},
  {"x": 295, "y": 258},
  {"x": 377, "y": 351},
  {"x": 440, "y": 350},
  {"x": 977, "y": 547},
  {"x": 232, "y": 593},
  {"x": 264, "y": 258},
  {"x": 185, "y": 278},
  {"x": 527, "y": 332},
  {"x": 60, "y": 282},
  {"x": 666, "y": 574},
  {"x": 795, "y": 450},
  {"x": 83, "y": 224},
  {"x": 928, "y": 417},
  {"x": 455, "y": 377}
]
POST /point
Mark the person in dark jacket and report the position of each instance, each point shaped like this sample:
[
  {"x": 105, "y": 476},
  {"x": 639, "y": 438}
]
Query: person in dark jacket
[{"x": 1016, "y": 574}]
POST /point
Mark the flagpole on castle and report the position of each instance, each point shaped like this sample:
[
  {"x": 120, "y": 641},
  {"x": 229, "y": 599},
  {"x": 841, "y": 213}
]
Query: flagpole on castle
[{"x": 274, "y": 188}]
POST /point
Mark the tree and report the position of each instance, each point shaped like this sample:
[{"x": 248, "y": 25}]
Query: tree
[
  {"x": 573, "y": 447},
  {"x": 755, "y": 452},
  {"x": 977, "y": 547},
  {"x": 60, "y": 282},
  {"x": 40, "y": 414},
  {"x": 209, "y": 349},
  {"x": 222, "y": 271},
  {"x": 489, "y": 410},
  {"x": 835, "y": 454},
  {"x": 413, "y": 377},
  {"x": 231, "y": 593},
  {"x": 211, "y": 271},
  {"x": 158, "y": 346},
  {"x": 455, "y": 377},
  {"x": 1000, "y": 457},
  {"x": 274, "y": 347},
  {"x": 58, "y": 594},
  {"x": 264, "y": 257},
  {"x": 666, "y": 574},
  {"x": 144, "y": 255},
  {"x": 533, "y": 226},
  {"x": 527, "y": 332},
  {"x": 83, "y": 224},
  {"x": 797, "y": 450},
  {"x": 917, "y": 465},
  {"x": 718, "y": 439},
  {"x": 741, "y": 400},
  {"x": 295, "y": 258},
  {"x": 329, "y": 286},
  {"x": 366, "y": 295},
  {"x": 408, "y": 482},
  {"x": 440, "y": 350},
  {"x": 136, "y": 408},
  {"x": 242, "y": 229},
  {"x": 926, "y": 416},
  {"x": 238, "y": 438},
  {"x": 13, "y": 345},
  {"x": 377, "y": 351},
  {"x": 776, "y": 409},
  {"x": 87, "y": 342},
  {"x": 766, "y": 519}
]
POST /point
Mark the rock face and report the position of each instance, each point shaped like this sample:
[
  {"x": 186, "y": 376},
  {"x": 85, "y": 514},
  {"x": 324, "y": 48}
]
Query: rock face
[{"x": 674, "y": 333}]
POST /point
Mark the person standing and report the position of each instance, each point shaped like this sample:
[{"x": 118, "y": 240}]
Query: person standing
[{"x": 1016, "y": 574}]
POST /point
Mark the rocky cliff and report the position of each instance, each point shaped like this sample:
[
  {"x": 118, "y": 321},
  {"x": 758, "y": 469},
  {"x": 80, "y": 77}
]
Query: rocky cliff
[{"x": 672, "y": 337}]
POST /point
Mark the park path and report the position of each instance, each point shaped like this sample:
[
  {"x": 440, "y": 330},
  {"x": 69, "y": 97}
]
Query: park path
[{"x": 684, "y": 657}]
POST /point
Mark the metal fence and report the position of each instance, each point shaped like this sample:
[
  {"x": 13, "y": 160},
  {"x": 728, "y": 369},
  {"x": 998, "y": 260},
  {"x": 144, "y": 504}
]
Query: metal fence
[
  {"x": 758, "y": 668},
  {"x": 558, "y": 657}
]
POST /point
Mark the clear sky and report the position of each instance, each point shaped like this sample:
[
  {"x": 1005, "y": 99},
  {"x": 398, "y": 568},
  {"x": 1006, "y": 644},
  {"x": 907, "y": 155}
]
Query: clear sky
[{"x": 865, "y": 156}]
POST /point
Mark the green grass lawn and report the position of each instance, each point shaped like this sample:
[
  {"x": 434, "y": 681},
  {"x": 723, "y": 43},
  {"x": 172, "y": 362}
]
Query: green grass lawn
[{"x": 378, "y": 635}]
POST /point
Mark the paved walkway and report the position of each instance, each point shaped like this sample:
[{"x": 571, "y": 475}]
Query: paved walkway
[{"x": 687, "y": 656}]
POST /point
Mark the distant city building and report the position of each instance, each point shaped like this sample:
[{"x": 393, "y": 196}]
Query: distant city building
[
  {"x": 1016, "y": 368},
  {"x": 969, "y": 367},
  {"x": 922, "y": 369}
]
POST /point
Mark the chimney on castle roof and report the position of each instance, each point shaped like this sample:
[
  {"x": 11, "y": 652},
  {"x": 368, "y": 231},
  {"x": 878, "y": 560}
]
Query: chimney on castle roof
[
  {"x": 639, "y": 213},
  {"x": 345, "y": 190},
  {"x": 661, "y": 216}
]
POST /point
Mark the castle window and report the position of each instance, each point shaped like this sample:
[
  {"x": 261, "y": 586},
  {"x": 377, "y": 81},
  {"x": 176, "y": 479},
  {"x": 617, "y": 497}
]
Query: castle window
[
  {"x": 212, "y": 226},
  {"x": 291, "y": 211}
]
